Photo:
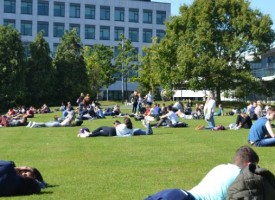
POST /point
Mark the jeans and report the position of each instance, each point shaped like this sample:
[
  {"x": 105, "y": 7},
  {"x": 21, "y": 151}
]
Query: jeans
[
  {"x": 266, "y": 142},
  {"x": 148, "y": 131},
  {"x": 211, "y": 122}
]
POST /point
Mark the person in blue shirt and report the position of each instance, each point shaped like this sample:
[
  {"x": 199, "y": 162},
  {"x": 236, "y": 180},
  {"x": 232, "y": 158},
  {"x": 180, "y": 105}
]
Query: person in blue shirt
[
  {"x": 261, "y": 133},
  {"x": 215, "y": 184}
]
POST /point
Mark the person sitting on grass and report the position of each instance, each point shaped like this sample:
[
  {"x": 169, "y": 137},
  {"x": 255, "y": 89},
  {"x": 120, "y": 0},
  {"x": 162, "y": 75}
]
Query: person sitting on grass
[
  {"x": 170, "y": 119},
  {"x": 118, "y": 129},
  {"x": 243, "y": 121},
  {"x": 16, "y": 181},
  {"x": 216, "y": 183},
  {"x": 261, "y": 133}
]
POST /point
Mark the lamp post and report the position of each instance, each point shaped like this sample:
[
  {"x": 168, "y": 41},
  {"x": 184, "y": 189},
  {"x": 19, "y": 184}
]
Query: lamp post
[{"x": 122, "y": 75}]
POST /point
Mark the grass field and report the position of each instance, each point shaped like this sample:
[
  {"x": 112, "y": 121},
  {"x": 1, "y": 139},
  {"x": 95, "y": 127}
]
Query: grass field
[{"x": 127, "y": 168}]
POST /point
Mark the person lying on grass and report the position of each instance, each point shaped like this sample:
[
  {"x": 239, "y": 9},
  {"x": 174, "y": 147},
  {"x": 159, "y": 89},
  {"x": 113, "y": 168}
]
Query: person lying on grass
[
  {"x": 66, "y": 122},
  {"x": 216, "y": 183},
  {"x": 19, "y": 180},
  {"x": 118, "y": 129}
]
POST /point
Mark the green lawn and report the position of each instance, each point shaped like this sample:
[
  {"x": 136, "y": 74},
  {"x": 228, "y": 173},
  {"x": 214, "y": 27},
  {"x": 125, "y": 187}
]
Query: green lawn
[{"x": 122, "y": 168}]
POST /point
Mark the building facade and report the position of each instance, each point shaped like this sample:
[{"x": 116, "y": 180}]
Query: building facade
[{"x": 96, "y": 21}]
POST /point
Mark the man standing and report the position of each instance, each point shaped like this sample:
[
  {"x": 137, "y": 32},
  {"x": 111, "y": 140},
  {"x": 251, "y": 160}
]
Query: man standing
[
  {"x": 134, "y": 101},
  {"x": 209, "y": 109}
]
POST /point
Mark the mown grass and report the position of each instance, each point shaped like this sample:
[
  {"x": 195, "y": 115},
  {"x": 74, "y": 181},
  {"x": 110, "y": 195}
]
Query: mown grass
[{"x": 122, "y": 168}]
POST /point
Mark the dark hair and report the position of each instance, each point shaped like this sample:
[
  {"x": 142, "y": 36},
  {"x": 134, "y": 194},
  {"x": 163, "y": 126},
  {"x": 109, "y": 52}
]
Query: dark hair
[
  {"x": 28, "y": 186},
  {"x": 128, "y": 123},
  {"x": 271, "y": 109},
  {"x": 244, "y": 155},
  {"x": 170, "y": 108}
]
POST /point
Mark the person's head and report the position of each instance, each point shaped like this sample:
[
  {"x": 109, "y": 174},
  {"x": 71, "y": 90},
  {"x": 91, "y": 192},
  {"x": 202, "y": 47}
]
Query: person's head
[
  {"x": 128, "y": 123},
  {"x": 244, "y": 156},
  {"x": 169, "y": 108},
  {"x": 270, "y": 114},
  {"x": 116, "y": 123}
]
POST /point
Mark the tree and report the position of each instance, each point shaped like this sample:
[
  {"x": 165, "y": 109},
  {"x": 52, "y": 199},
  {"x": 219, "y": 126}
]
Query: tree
[
  {"x": 70, "y": 67},
  {"x": 12, "y": 73},
  {"x": 212, "y": 38},
  {"x": 40, "y": 73},
  {"x": 125, "y": 60},
  {"x": 99, "y": 66}
]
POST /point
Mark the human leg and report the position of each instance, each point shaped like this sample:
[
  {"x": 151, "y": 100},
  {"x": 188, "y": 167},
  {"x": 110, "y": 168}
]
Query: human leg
[
  {"x": 103, "y": 131},
  {"x": 267, "y": 142},
  {"x": 211, "y": 122}
]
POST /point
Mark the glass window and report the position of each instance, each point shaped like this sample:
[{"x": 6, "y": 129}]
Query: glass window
[
  {"x": 59, "y": 9},
  {"x": 43, "y": 26},
  {"x": 160, "y": 34},
  {"x": 26, "y": 27},
  {"x": 58, "y": 29},
  {"x": 8, "y": 22},
  {"x": 77, "y": 27},
  {"x": 133, "y": 15},
  {"x": 26, "y": 7},
  {"x": 55, "y": 46},
  {"x": 119, "y": 14},
  {"x": 89, "y": 32},
  {"x": 43, "y": 8},
  {"x": 104, "y": 32},
  {"x": 9, "y": 6},
  {"x": 147, "y": 16},
  {"x": 74, "y": 10},
  {"x": 89, "y": 12},
  {"x": 147, "y": 35},
  {"x": 133, "y": 34},
  {"x": 161, "y": 17},
  {"x": 104, "y": 12},
  {"x": 118, "y": 32}
]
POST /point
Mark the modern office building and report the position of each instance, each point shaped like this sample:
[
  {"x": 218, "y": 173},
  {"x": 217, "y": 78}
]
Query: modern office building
[{"x": 97, "y": 21}]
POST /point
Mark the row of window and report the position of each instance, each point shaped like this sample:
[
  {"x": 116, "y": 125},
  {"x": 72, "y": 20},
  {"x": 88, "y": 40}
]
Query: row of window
[
  {"x": 90, "y": 11},
  {"x": 90, "y": 30}
]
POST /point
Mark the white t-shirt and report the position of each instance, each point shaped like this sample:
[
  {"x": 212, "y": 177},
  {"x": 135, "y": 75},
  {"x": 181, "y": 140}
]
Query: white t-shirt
[
  {"x": 172, "y": 117},
  {"x": 122, "y": 130},
  {"x": 215, "y": 184}
]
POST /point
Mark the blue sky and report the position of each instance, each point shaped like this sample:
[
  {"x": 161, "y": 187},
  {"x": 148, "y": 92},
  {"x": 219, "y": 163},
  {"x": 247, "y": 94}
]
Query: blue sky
[{"x": 265, "y": 6}]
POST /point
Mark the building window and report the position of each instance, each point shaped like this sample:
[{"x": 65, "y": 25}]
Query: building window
[
  {"x": 104, "y": 32},
  {"x": 118, "y": 32},
  {"x": 160, "y": 34},
  {"x": 43, "y": 26},
  {"x": 133, "y": 34},
  {"x": 43, "y": 8},
  {"x": 77, "y": 27},
  {"x": 9, "y": 22},
  {"x": 104, "y": 12},
  {"x": 89, "y": 32},
  {"x": 58, "y": 29},
  {"x": 147, "y": 16},
  {"x": 26, "y": 27},
  {"x": 147, "y": 35},
  {"x": 75, "y": 10},
  {"x": 119, "y": 14},
  {"x": 89, "y": 12},
  {"x": 161, "y": 17},
  {"x": 26, "y": 7},
  {"x": 59, "y": 9},
  {"x": 55, "y": 47},
  {"x": 133, "y": 15},
  {"x": 9, "y": 6}
]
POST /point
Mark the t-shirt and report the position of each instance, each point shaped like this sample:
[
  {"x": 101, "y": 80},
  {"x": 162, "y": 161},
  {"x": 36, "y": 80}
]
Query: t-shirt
[
  {"x": 258, "y": 130},
  {"x": 122, "y": 130},
  {"x": 172, "y": 117},
  {"x": 215, "y": 184}
]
